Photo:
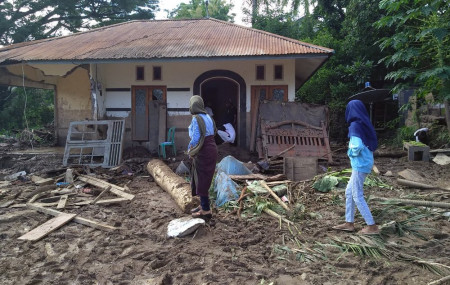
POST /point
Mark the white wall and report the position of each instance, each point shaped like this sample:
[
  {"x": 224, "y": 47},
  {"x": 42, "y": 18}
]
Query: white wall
[{"x": 183, "y": 75}]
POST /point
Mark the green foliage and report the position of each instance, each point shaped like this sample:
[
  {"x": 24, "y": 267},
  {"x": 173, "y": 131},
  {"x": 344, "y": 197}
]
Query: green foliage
[
  {"x": 438, "y": 136},
  {"x": 404, "y": 133},
  {"x": 196, "y": 9},
  {"x": 326, "y": 184},
  {"x": 24, "y": 20},
  {"x": 420, "y": 45},
  {"x": 275, "y": 20},
  {"x": 37, "y": 103}
]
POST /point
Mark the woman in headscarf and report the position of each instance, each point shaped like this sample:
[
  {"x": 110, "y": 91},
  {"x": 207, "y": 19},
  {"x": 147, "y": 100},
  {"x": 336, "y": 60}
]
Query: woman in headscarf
[
  {"x": 363, "y": 142},
  {"x": 203, "y": 150}
]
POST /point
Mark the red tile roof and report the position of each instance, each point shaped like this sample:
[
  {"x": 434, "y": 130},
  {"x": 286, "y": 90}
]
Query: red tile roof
[{"x": 161, "y": 39}]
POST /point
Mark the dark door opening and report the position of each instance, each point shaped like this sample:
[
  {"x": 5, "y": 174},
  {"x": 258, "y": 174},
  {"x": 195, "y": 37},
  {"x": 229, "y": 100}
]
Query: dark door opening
[{"x": 216, "y": 93}]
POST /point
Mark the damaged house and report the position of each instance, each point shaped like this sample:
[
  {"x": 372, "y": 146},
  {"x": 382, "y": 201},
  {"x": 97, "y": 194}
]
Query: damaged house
[{"x": 144, "y": 72}]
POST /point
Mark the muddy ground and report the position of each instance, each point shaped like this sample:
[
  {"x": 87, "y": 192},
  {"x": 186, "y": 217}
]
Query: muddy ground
[{"x": 252, "y": 250}]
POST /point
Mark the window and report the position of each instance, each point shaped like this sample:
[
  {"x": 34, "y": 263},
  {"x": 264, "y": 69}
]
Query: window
[
  {"x": 140, "y": 73},
  {"x": 157, "y": 73},
  {"x": 278, "y": 72},
  {"x": 260, "y": 72}
]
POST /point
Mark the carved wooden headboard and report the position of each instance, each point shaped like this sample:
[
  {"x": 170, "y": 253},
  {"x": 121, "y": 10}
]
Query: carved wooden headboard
[{"x": 308, "y": 140}]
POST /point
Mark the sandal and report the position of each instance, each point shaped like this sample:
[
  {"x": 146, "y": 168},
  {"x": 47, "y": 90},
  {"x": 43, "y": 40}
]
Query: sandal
[
  {"x": 367, "y": 231},
  {"x": 195, "y": 210},
  {"x": 200, "y": 214}
]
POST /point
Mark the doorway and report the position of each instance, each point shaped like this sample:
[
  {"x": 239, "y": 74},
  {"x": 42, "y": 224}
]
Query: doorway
[
  {"x": 219, "y": 85},
  {"x": 221, "y": 95}
]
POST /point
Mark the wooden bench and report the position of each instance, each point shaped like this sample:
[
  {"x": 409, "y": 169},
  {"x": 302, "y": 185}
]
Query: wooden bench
[{"x": 309, "y": 140}]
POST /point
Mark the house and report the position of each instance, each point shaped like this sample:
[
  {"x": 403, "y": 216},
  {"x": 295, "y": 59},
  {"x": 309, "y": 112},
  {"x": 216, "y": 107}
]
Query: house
[{"x": 146, "y": 71}]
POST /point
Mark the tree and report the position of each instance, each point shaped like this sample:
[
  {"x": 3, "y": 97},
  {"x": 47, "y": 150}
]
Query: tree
[
  {"x": 421, "y": 46},
  {"x": 347, "y": 27},
  {"x": 23, "y": 108},
  {"x": 275, "y": 20},
  {"x": 24, "y": 20},
  {"x": 255, "y": 5},
  {"x": 195, "y": 9}
]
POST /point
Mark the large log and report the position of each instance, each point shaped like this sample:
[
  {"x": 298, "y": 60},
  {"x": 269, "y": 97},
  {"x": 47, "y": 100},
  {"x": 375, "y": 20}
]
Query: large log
[{"x": 176, "y": 186}]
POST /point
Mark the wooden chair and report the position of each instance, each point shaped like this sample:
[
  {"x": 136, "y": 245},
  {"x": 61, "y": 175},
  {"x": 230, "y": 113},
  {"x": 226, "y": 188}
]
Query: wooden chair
[{"x": 170, "y": 142}]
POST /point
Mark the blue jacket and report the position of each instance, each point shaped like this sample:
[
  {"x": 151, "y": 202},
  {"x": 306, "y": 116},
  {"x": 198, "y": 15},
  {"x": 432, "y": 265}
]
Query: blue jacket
[
  {"x": 194, "y": 130},
  {"x": 361, "y": 158}
]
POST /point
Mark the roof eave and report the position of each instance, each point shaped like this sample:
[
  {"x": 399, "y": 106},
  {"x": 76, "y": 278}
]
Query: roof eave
[{"x": 203, "y": 58}]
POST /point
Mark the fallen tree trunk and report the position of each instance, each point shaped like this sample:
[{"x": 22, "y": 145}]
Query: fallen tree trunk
[{"x": 176, "y": 186}]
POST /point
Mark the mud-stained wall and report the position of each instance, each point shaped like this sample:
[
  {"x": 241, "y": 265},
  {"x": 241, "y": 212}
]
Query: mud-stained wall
[
  {"x": 179, "y": 77},
  {"x": 72, "y": 101}
]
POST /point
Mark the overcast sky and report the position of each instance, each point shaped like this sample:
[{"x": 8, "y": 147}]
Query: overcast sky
[{"x": 172, "y": 4}]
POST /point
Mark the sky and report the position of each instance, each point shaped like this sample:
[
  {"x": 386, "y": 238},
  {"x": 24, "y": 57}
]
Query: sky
[{"x": 172, "y": 4}]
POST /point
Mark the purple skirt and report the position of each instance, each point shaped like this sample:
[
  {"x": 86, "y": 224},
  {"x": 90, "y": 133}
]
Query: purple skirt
[{"x": 204, "y": 167}]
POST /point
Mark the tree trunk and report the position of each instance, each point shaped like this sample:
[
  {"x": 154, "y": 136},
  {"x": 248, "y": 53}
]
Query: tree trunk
[
  {"x": 176, "y": 186},
  {"x": 254, "y": 11},
  {"x": 447, "y": 113}
]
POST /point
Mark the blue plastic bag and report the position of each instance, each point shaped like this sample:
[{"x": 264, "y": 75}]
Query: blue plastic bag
[
  {"x": 227, "y": 189},
  {"x": 231, "y": 166}
]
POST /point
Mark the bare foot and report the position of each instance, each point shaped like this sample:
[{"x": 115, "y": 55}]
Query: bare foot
[
  {"x": 348, "y": 227},
  {"x": 370, "y": 230}
]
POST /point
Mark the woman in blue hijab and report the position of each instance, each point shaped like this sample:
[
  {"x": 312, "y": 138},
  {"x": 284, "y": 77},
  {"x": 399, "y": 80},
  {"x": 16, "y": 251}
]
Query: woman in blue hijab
[{"x": 363, "y": 142}]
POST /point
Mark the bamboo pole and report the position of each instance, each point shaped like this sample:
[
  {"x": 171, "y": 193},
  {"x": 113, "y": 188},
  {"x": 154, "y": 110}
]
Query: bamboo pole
[
  {"x": 241, "y": 202},
  {"x": 274, "y": 195},
  {"x": 275, "y": 215},
  {"x": 414, "y": 202},
  {"x": 415, "y": 184},
  {"x": 440, "y": 281}
]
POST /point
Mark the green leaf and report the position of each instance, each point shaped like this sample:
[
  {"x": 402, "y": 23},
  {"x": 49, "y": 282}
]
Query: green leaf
[{"x": 326, "y": 184}]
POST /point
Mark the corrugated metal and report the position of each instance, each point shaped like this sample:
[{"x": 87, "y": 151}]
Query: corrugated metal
[{"x": 198, "y": 38}]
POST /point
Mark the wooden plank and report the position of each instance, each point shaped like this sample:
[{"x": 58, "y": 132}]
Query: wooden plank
[
  {"x": 62, "y": 202},
  {"x": 39, "y": 181},
  {"x": 254, "y": 117},
  {"x": 48, "y": 227},
  {"x": 78, "y": 220},
  {"x": 119, "y": 191},
  {"x": 101, "y": 194},
  {"x": 248, "y": 177},
  {"x": 47, "y": 204},
  {"x": 112, "y": 201}
]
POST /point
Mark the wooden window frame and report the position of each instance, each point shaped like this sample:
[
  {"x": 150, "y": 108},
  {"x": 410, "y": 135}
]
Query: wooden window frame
[
  {"x": 264, "y": 72},
  {"x": 148, "y": 91},
  {"x": 160, "y": 73},
  {"x": 275, "y": 73},
  {"x": 137, "y": 73}
]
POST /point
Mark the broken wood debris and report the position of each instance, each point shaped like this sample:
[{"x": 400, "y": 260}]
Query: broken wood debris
[
  {"x": 39, "y": 181},
  {"x": 275, "y": 196},
  {"x": 119, "y": 191},
  {"x": 62, "y": 202},
  {"x": 48, "y": 227},
  {"x": 101, "y": 194},
  {"x": 77, "y": 219}
]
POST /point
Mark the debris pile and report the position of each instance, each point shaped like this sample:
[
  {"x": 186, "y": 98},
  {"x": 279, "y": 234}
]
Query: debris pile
[{"x": 63, "y": 192}]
